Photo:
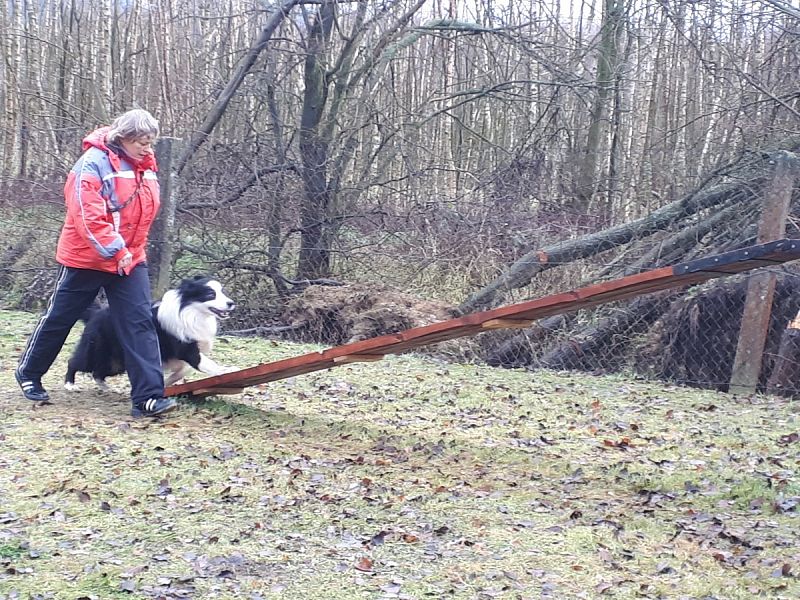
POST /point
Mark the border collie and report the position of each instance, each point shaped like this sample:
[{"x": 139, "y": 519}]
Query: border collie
[{"x": 186, "y": 321}]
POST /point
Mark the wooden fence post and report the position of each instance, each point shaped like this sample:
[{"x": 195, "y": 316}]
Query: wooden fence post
[
  {"x": 761, "y": 285},
  {"x": 159, "y": 251}
]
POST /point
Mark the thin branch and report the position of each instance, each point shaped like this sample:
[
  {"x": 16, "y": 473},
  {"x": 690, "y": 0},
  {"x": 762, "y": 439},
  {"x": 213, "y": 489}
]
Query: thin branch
[
  {"x": 238, "y": 192},
  {"x": 786, "y": 9},
  {"x": 215, "y": 114}
]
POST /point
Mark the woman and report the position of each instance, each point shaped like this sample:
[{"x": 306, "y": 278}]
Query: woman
[{"x": 112, "y": 197}]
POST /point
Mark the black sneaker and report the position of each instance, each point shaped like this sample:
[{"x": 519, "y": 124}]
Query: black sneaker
[
  {"x": 153, "y": 407},
  {"x": 32, "y": 388}
]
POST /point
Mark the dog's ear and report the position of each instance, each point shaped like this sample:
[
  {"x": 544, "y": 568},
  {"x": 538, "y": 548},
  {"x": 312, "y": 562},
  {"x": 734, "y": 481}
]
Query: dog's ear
[{"x": 196, "y": 278}]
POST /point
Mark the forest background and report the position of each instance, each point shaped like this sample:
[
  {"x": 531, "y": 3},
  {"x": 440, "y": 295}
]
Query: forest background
[{"x": 424, "y": 148}]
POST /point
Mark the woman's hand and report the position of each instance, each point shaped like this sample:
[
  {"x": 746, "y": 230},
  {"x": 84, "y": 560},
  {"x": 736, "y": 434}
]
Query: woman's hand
[{"x": 123, "y": 263}]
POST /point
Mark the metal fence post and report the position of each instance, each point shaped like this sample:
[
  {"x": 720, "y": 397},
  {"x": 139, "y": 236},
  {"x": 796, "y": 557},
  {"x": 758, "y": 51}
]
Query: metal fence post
[{"x": 761, "y": 285}]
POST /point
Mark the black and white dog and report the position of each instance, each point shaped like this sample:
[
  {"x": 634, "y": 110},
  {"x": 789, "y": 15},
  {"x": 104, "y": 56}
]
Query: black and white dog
[{"x": 186, "y": 323}]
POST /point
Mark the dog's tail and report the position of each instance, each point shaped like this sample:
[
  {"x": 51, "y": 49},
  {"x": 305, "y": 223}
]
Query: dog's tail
[{"x": 90, "y": 311}]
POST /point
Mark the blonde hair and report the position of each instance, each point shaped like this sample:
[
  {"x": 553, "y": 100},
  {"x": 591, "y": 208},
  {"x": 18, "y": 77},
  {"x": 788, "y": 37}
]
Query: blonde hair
[{"x": 133, "y": 124}]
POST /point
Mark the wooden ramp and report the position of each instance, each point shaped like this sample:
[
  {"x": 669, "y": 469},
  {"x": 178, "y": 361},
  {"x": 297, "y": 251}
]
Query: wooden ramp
[{"x": 513, "y": 316}]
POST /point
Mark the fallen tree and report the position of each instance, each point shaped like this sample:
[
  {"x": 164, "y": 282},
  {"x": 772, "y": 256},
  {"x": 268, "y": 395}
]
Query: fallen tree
[
  {"x": 604, "y": 346},
  {"x": 721, "y": 215}
]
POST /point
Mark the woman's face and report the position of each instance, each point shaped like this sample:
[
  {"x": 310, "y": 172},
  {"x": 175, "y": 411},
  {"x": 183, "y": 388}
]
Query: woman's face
[{"x": 138, "y": 148}]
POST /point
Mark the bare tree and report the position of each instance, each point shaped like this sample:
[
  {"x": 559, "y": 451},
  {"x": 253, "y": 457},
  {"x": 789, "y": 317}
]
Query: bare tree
[
  {"x": 411, "y": 141},
  {"x": 609, "y": 54}
]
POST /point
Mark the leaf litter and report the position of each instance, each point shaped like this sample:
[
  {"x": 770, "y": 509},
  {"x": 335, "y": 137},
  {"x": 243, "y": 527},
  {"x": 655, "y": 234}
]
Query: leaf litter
[{"x": 408, "y": 478}]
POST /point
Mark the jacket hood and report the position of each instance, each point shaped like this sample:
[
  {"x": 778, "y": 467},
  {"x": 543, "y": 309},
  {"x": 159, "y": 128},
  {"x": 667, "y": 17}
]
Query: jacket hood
[{"x": 97, "y": 139}]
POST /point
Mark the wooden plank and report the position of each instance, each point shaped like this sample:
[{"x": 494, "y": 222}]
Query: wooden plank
[
  {"x": 524, "y": 312},
  {"x": 507, "y": 324},
  {"x": 357, "y": 358},
  {"x": 264, "y": 373},
  {"x": 222, "y": 391}
]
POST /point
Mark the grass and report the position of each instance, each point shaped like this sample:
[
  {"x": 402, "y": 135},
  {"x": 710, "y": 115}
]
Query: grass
[
  {"x": 11, "y": 551},
  {"x": 408, "y": 478}
]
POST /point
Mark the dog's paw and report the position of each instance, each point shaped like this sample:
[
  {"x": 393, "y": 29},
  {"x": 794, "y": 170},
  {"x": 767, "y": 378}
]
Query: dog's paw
[
  {"x": 72, "y": 387},
  {"x": 102, "y": 386}
]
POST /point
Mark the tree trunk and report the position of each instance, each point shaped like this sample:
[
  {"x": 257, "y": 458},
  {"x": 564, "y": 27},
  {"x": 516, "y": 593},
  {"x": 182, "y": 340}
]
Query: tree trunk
[
  {"x": 276, "y": 213},
  {"x": 314, "y": 257},
  {"x": 162, "y": 233},
  {"x": 607, "y": 65}
]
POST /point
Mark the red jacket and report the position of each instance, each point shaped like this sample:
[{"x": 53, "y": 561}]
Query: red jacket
[{"x": 111, "y": 204}]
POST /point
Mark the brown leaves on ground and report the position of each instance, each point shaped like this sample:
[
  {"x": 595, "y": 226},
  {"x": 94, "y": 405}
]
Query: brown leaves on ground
[{"x": 404, "y": 479}]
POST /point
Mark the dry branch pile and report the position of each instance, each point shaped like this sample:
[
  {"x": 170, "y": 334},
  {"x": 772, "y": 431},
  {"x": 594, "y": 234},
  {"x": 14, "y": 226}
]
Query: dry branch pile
[{"x": 354, "y": 312}]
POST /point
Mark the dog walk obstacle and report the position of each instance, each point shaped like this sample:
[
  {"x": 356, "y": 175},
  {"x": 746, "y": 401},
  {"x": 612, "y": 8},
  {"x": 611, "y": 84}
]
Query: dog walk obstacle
[{"x": 507, "y": 317}]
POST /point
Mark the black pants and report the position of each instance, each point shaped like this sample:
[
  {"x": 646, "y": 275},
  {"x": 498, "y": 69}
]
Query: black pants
[{"x": 131, "y": 313}]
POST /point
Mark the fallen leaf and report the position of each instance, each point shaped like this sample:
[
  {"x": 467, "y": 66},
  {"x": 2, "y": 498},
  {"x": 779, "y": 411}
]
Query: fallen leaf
[
  {"x": 664, "y": 569},
  {"x": 721, "y": 556},
  {"x": 603, "y": 587},
  {"x": 787, "y": 505},
  {"x": 364, "y": 564}
]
